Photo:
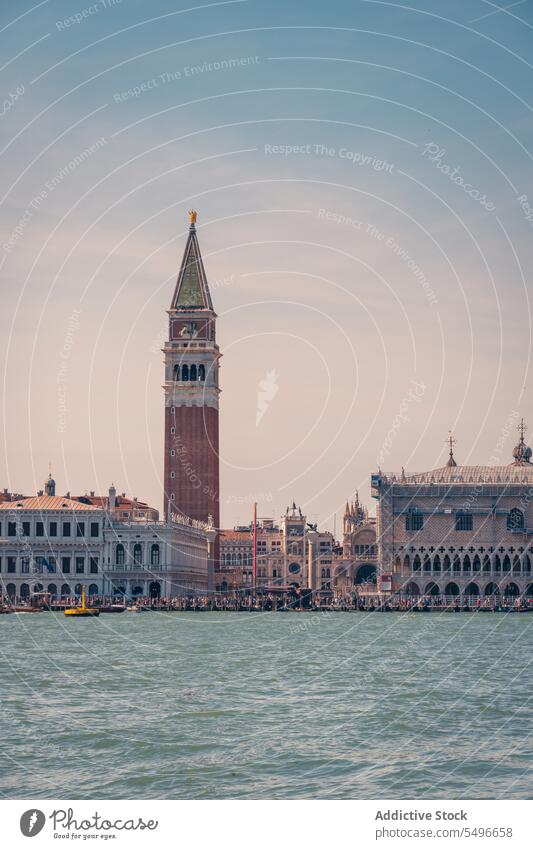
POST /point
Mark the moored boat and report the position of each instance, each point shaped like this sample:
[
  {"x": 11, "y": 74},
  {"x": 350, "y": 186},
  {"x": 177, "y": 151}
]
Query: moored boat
[{"x": 83, "y": 610}]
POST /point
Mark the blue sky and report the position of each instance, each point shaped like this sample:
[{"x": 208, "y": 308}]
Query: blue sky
[{"x": 362, "y": 174}]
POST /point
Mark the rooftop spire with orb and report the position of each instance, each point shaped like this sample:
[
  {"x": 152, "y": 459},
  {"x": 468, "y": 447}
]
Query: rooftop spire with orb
[
  {"x": 522, "y": 452},
  {"x": 451, "y": 442}
]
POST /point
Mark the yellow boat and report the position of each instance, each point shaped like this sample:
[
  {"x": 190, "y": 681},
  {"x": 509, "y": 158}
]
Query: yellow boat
[{"x": 83, "y": 610}]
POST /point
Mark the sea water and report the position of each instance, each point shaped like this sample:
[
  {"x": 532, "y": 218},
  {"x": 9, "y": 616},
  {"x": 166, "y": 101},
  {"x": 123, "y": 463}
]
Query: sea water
[{"x": 266, "y": 705}]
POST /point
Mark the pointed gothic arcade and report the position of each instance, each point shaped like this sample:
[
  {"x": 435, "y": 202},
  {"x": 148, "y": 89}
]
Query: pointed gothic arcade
[{"x": 191, "y": 393}]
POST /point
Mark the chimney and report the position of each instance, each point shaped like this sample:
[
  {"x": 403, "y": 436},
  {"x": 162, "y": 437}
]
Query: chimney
[{"x": 112, "y": 497}]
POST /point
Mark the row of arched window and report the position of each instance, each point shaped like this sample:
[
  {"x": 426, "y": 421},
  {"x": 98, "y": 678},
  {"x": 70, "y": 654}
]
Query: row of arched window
[
  {"x": 65, "y": 590},
  {"x": 189, "y": 373},
  {"x": 120, "y": 555},
  {"x": 466, "y": 564},
  {"x": 237, "y": 559},
  {"x": 472, "y": 589}
]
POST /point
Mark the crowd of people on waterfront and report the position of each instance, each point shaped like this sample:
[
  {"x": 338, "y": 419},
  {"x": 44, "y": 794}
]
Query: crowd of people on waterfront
[{"x": 248, "y": 602}]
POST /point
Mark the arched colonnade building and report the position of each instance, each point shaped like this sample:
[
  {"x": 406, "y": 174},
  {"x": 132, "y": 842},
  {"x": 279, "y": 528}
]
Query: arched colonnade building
[{"x": 458, "y": 530}]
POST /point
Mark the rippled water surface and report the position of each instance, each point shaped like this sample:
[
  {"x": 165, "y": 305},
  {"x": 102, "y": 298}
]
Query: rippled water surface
[{"x": 296, "y": 705}]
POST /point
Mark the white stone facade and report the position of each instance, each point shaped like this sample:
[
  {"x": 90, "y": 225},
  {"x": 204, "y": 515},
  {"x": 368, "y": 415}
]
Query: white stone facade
[
  {"x": 57, "y": 545},
  {"x": 459, "y": 530}
]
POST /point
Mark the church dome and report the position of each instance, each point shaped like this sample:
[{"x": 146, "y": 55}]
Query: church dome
[{"x": 522, "y": 453}]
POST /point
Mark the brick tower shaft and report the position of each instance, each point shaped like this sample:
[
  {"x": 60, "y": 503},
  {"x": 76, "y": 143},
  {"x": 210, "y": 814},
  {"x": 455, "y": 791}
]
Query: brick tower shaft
[{"x": 191, "y": 477}]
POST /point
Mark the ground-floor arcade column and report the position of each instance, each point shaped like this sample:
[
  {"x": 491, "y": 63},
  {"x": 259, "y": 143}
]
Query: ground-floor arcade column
[{"x": 312, "y": 548}]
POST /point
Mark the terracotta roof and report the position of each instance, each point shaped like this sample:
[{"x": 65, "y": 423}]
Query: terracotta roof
[
  {"x": 522, "y": 473},
  {"x": 121, "y": 501},
  {"x": 236, "y": 535},
  {"x": 95, "y": 500},
  {"x": 11, "y": 496},
  {"x": 46, "y": 502},
  {"x": 130, "y": 502}
]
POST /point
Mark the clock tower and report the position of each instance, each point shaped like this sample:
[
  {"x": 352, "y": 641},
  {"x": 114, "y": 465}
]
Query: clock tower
[{"x": 191, "y": 393}]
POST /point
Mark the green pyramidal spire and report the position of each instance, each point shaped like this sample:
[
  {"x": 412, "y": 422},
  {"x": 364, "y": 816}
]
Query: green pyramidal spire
[{"x": 192, "y": 290}]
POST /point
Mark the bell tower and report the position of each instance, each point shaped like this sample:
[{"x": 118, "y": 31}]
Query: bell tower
[{"x": 191, "y": 393}]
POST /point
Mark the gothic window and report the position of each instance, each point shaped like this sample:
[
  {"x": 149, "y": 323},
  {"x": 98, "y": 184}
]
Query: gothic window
[
  {"x": 176, "y": 372},
  {"x": 416, "y": 564},
  {"x": 515, "y": 519},
  {"x": 154, "y": 557},
  {"x": 201, "y": 372},
  {"x": 185, "y": 372},
  {"x": 464, "y": 522},
  {"x": 414, "y": 521},
  {"x": 192, "y": 373}
]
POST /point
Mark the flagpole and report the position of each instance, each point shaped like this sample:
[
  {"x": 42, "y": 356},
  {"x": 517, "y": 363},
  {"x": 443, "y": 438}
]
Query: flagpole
[{"x": 255, "y": 551}]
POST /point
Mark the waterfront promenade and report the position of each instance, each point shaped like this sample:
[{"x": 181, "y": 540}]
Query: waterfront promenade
[{"x": 282, "y": 603}]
